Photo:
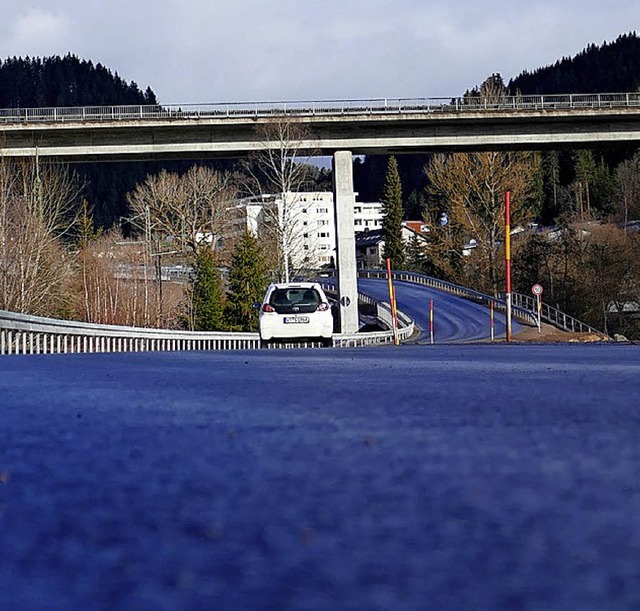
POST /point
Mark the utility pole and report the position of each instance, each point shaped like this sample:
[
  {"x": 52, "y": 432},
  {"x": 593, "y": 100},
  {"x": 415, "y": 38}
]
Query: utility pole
[{"x": 507, "y": 260}]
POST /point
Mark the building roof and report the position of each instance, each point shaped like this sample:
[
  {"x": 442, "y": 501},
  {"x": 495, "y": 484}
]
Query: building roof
[
  {"x": 419, "y": 227},
  {"x": 369, "y": 238}
]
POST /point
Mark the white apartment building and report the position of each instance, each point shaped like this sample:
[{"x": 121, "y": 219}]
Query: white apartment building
[
  {"x": 367, "y": 216},
  {"x": 310, "y": 223}
]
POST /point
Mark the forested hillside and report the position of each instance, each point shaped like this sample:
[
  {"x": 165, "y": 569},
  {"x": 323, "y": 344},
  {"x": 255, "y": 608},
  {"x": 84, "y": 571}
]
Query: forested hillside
[
  {"x": 612, "y": 67},
  {"x": 64, "y": 81},
  {"x": 70, "y": 81}
]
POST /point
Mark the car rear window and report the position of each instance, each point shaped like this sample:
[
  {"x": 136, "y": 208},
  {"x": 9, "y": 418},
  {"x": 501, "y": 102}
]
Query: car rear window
[{"x": 287, "y": 300}]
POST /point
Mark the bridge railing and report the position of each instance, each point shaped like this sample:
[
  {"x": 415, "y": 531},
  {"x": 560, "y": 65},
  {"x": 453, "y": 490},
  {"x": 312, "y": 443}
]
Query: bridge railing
[
  {"x": 25, "y": 334},
  {"x": 371, "y": 106},
  {"x": 524, "y": 308},
  {"x": 406, "y": 325},
  {"x": 500, "y": 305},
  {"x": 552, "y": 315}
]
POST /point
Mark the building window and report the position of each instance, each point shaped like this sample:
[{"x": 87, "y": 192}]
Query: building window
[
  {"x": 322, "y": 223},
  {"x": 322, "y": 210},
  {"x": 323, "y": 234}
]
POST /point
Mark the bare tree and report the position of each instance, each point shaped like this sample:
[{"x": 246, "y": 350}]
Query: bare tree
[
  {"x": 277, "y": 174},
  {"x": 628, "y": 177},
  {"x": 181, "y": 213},
  {"x": 38, "y": 204},
  {"x": 472, "y": 186},
  {"x": 589, "y": 269},
  {"x": 189, "y": 209},
  {"x": 608, "y": 274},
  {"x": 111, "y": 284},
  {"x": 52, "y": 194}
]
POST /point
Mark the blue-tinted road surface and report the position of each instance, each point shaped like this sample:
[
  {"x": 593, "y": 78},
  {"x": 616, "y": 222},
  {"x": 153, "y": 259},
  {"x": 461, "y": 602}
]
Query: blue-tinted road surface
[
  {"x": 455, "y": 319},
  {"x": 449, "y": 477}
]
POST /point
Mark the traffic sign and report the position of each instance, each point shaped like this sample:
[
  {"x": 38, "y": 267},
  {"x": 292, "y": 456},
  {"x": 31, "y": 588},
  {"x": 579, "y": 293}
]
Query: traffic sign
[{"x": 536, "y": 289}]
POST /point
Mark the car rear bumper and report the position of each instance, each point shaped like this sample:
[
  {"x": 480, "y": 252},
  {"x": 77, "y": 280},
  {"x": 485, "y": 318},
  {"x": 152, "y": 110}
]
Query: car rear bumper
[{"x": 274, "y": 327}]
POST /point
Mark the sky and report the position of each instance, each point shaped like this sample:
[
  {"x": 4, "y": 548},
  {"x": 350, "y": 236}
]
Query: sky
[{"x": 199, "y": 51}]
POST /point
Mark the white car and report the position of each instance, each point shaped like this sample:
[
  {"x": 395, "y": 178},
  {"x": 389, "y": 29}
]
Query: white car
[{"x": 296, "y": 310}]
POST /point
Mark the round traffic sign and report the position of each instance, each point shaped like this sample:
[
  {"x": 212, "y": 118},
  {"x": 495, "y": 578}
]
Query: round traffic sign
[{"x": 536, "y": 289}]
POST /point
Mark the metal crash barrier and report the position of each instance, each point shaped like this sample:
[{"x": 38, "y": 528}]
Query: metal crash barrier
[{"x": 25, "y": 334}]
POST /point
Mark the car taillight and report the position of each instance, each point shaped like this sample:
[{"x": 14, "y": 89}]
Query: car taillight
[
  {"x": 267, "y": 308},
  {"x": 322, "y": 307}
]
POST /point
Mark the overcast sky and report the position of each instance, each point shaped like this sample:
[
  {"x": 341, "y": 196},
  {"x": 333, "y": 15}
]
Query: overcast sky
[{"x": 245, "y": 50}]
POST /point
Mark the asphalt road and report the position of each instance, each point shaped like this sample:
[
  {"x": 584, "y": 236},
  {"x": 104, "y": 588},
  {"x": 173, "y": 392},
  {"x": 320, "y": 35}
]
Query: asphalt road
[
  {"x": 421, "y": 477},
  {"x": 455, "y": 319}
]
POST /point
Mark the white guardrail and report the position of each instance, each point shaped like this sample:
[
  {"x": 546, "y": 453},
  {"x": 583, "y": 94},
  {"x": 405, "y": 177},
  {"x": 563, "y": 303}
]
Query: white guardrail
[
  {"x": 500, "y": 305},
  {"x": 524, "y": 308},
  {"x": 552, "y": 315},
  {"x": 25, "y": 334},
  {"x": 235, "y": 110}
]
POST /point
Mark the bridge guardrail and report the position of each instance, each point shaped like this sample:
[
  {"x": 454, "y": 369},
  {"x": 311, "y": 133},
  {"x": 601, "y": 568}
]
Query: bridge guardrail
[
  {"x": 380, "y": 106},
  {"x": 26, "y": 334},
  {"x": 552, "y": 315},
  {"x": 524, "y": 308},
  {"x": 383, "y": 313},
  {"x": 518, "y": 312}
]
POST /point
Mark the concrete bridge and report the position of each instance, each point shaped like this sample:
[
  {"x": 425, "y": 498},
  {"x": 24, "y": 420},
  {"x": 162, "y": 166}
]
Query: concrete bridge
[
  {"x": 360, "y": 126},
  {"x": 338, "y": 128}
]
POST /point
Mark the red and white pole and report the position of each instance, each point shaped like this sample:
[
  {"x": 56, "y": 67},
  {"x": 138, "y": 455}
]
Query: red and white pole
[
  {"x": 507, "y": 259},
  {"x": 431, "y": 319},
  {"x": 392, "y": 302},
  {"x": 395, "y": 310},
  {"x": 539, "y": 313},
  {"x": 493, "y": 319}
]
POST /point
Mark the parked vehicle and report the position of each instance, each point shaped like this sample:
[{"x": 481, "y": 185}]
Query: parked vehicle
[{"x": 297, "y": 310}]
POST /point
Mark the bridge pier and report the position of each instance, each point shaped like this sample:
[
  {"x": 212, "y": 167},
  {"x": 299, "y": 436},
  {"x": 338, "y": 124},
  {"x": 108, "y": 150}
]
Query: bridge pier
[{"x": 344, "y": 199}]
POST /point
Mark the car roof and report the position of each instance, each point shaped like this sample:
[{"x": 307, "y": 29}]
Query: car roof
[{"x": 296, "y": 285}]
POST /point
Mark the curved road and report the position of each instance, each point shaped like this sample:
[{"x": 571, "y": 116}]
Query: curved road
[{"x": 455, "y": 319}]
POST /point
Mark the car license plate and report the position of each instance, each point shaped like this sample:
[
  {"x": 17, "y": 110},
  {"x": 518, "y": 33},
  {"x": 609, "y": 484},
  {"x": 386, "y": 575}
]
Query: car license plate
[{"x": 296, "y": 319}]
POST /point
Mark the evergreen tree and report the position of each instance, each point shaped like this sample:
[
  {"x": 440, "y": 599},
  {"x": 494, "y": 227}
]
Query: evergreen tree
[
  {"x": 70, "y": 81},
  {"x": 612, "y": 67},
  {"x": 87, "y": 231},
  {"x": 585, "y": 169},
  {"x": 65, "y": 81},
  {"x": 416, "y": 204},
  {"x": 392, "y": 219},
  {"x": 248, "y": 280},
  {"x": 548, "y": 186},
  {"x": 416, "y": 257},
  {"x": 206, "y": 294}
]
